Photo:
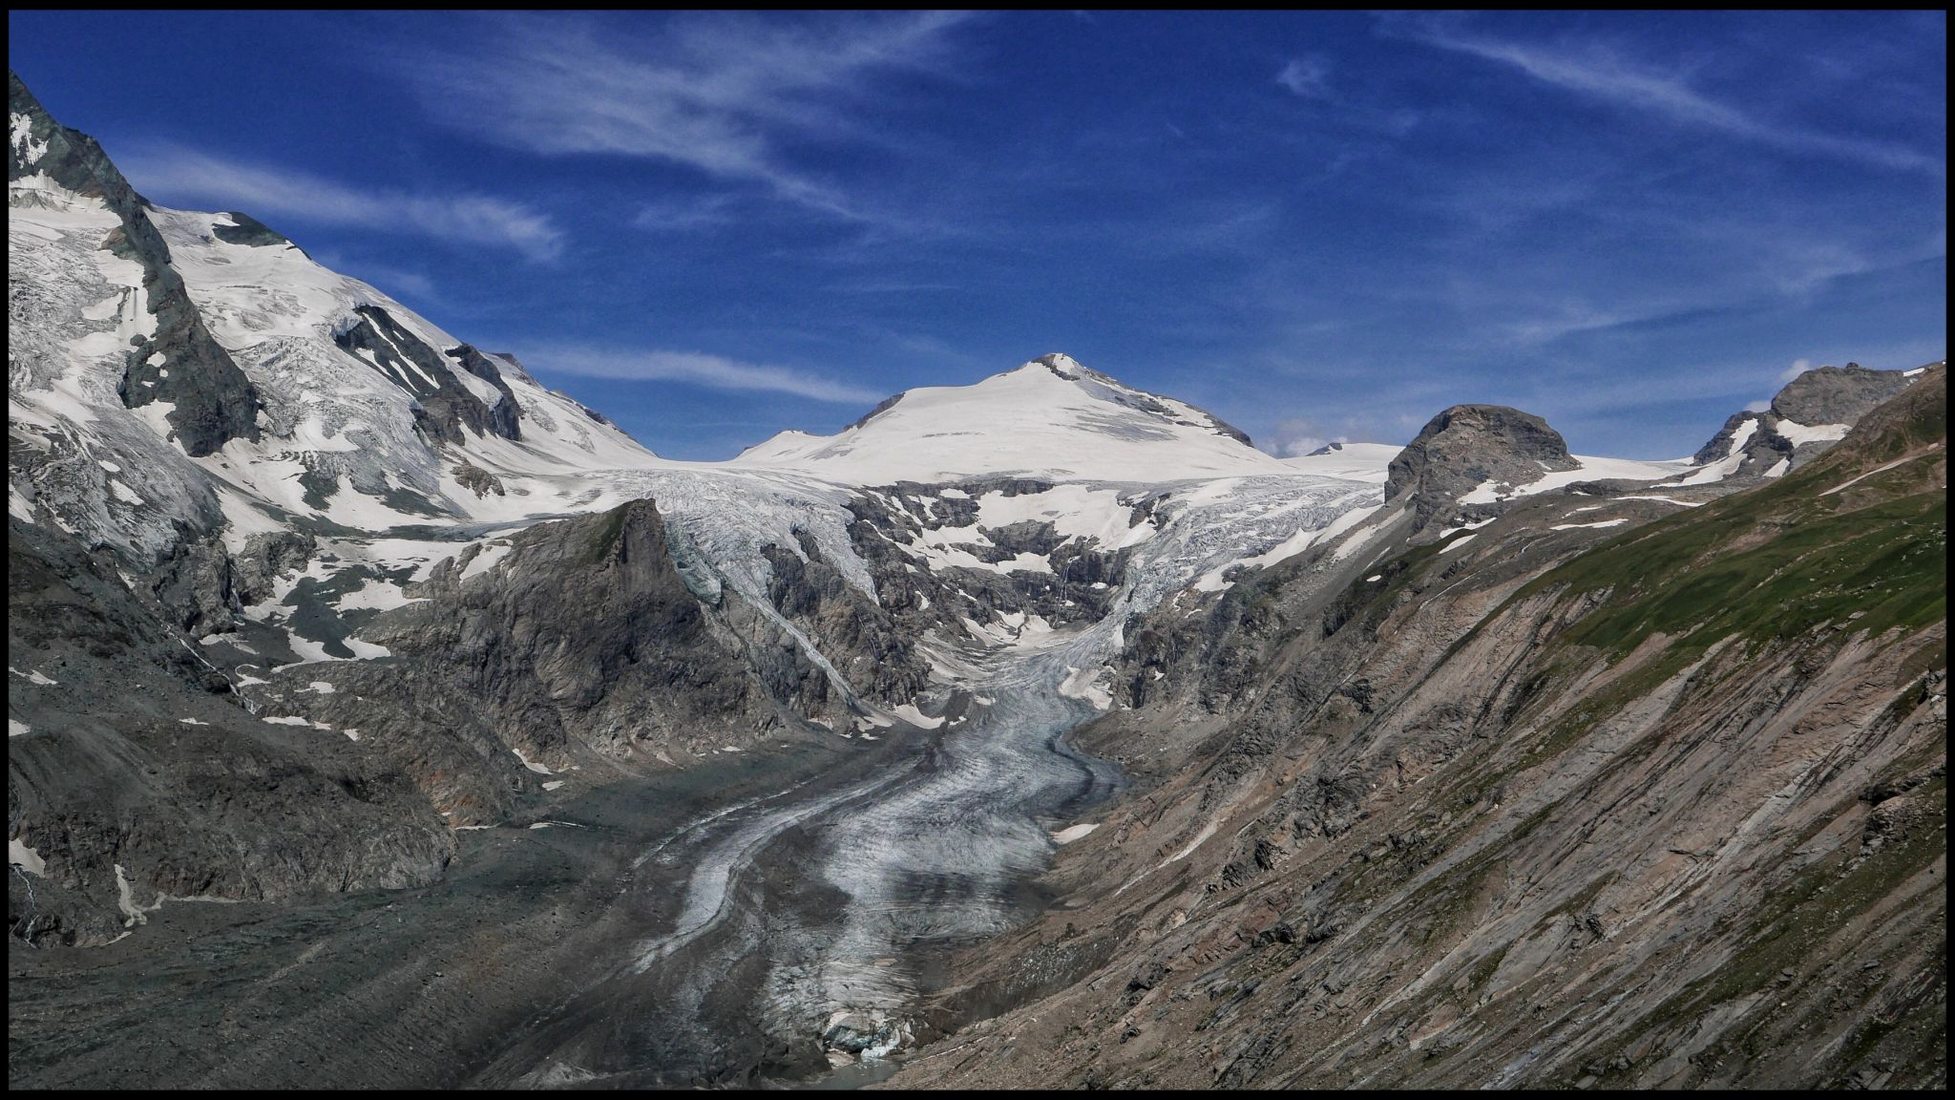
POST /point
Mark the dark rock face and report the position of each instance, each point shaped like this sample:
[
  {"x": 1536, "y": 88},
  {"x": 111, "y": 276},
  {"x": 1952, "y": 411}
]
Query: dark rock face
[
  {"x": 864, "y": 641},
  {"x": 212, "y": 400},
  {"x": 583, "y": 632},
  {"x": 1467, "y": 445},
  {"x": 196, "y": 584},
  {"x": 267, "y": 557},
  {"x": 204, "y": 590},
  {"x": 446, "y": 405},
  {"x": 1719, "y": 445},
  {"x": 1823, "y": 396},
  {"x": 505, "y": 415},
  {"x": 1836, "y": 395},
  {"x": 63, "y": 597},
  {"x": 141, "y": 776},
  {"x": 478, "y": 481},
  {"x": 249, "y": 231},
  {"x": 882, "y": 406},
  {"x": 1079, "y": 589},
  {"x": 1756, "y": 439}
]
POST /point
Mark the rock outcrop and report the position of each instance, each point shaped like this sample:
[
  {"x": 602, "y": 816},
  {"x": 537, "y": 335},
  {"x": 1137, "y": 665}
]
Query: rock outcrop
[
  {"x": 1467, "y": 446},
  {"x": 1655, "y": 804},
  {"x": 1837, "y": 395},
  {"x": 446, "y": 406},
  {"x": 210, "y": 400},
  {"x": 142, "y": 778},
  {"x": 1810, "y": 414}
]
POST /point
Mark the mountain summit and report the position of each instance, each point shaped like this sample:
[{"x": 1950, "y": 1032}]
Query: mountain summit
[
  {"x": 252, "y": 387},
  {"x": 1810, "y": 414},
  {"x": 1051, "y": 417}
]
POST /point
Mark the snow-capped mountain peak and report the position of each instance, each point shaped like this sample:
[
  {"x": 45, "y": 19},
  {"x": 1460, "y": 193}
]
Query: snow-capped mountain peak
[
  {"x": 1050, "y": 417},
  {"x": 253, "y": 387}
]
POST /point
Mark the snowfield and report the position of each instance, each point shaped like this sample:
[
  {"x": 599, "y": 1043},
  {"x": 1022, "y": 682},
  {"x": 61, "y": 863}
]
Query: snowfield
[
  {"x": 1050, "y": 418},
  {"x": 1010, "y": 481}
]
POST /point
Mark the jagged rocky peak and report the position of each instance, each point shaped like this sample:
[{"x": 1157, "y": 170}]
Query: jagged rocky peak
[
  {"x": 39, "y": 144},
  {"x": 170, "y": 356},
  {"x": 1808, "y": 415},
  {"x": 1467, "y": 446},
  {"x": 45, "y": 158}
]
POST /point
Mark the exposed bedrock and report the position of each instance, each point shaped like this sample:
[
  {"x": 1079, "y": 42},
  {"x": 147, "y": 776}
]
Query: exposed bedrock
[
  {"x": 1468, "y": 445},
  {"x": 1662, "y": 808},
  {"x": 142, "y": 777}
]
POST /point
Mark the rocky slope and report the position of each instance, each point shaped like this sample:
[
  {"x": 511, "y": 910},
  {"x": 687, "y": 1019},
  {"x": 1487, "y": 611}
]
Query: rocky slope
[
  {"x": 135, "y": 778},
  {"x": 1810, "y": 414},
  {"x": 1494, "y": 763},
  {"x": 1613, "y": 791},
  {"x": 290, "y": 497},
  {"x": 350, "y": 525}
]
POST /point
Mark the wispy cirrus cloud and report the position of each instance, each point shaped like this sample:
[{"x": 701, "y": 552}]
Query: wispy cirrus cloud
[
  {"x": 713, "y": 371},
  {"x": 268, "y": 192},
  {"x": 1601, "y": 71},
  {"x": 685, "y": 215},
  {"x": 1308, "y": 77},
  {"x": 393, "y": 279},
  {"x": 726, "y": 95}
]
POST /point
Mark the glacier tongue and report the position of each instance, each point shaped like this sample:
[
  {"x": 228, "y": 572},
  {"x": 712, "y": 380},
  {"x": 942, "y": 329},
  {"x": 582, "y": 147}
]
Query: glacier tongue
[
  {"x": 1012, "y": 527},
  {"x": 936, "y": 857}
]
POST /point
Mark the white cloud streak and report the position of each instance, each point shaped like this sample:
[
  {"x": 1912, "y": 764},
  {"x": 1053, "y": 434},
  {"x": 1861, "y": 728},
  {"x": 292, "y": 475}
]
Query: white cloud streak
[
  {"x": 1306, "y": 77},
  {"x": 712, "y": 371},
  {"x": 276, "y": 192},
  {"x": 1602, "y": 73},
  {"x": 685, "y": 215},
  {"x": 723, "y": 95}
]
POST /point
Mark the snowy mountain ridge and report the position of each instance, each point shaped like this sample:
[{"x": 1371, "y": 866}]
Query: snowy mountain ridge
[
  {"x": 333, "y": 426},
  {"x": 303, "y": 587},
  {"x": 284, "y": 454},
  {"x": 1050, "y": 418},
  {"x": 389, "y": 446}
]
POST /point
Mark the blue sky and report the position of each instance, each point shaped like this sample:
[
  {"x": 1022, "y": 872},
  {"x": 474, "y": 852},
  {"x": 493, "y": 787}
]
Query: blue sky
[{"x": 712, "y": 227}]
